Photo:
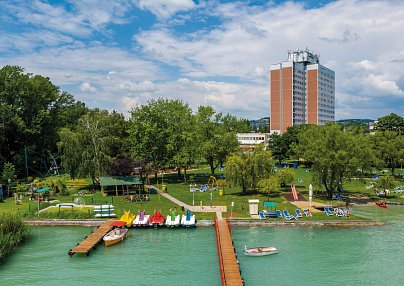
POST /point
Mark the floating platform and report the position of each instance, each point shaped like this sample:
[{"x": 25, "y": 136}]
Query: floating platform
[{"x": 90, "y": 242}]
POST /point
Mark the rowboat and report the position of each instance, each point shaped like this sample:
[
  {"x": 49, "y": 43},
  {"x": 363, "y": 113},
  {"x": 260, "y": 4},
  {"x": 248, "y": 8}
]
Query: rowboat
[
  {"x": 381, "y": 204},
  {"x": 259, "y": 251},
  {"x": 117, "y": 234}
]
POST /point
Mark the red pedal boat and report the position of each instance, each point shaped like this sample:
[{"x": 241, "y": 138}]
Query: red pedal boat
[
  {"x": 381, "y": 204},
  {"x": 157, "y": 219}
]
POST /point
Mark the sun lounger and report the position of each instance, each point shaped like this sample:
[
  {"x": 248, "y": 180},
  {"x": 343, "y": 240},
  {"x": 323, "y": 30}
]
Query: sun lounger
[
  {"x": 298, "y": 213},
  {"x": 287, "y": 216},
  {"x": 327, "y": 211},
  {"x": 262, "y": 215},
  {"x": 279, "y": 214},
  {"x": 307, "y": 213}
]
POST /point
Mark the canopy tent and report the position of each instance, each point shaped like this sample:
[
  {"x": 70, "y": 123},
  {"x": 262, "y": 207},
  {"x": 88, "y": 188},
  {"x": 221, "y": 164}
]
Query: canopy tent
[
  {"x": 43, "y": 190},
  {"x": 269, "y": 204}
]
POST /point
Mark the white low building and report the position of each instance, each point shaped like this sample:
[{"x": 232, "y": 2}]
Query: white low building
[{"x": 252, "y": 139}]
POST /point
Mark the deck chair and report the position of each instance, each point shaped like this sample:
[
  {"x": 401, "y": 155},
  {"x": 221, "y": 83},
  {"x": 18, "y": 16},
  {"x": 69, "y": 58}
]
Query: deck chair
[
  {"x": 327, "y": 211},
  {"x": 287, "y": 216},
  {"x": 262, "y": 215},
  {"x": 298, "y": 213},
  {"x": 279, "y": 214},
  {"x": 307, "y": 213}
]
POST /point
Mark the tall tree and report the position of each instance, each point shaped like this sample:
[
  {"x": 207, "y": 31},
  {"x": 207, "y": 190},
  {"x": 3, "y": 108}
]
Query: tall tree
[
  {"x": 336, "y": 155},
  {"x": 216, "y": 135},
  {"x": 389, "y": 148},
  {"x": 246, "y": 169},
  {"x": 391, "y": 122}
]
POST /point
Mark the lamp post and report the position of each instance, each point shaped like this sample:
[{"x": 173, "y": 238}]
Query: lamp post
[{"x": 8, "y": 187}]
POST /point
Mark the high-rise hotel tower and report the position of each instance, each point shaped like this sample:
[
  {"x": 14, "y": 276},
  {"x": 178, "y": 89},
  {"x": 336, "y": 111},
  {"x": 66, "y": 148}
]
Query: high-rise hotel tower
[{"x": 302, "y": 91}]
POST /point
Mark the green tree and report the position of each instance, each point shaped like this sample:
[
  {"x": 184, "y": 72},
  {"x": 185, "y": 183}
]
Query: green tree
[
  {"x": 285, "y": 176},
  {"x": 336, "y": 155},
  {"x": 385, "y": 183},
  {"x": 278, "y": 147},
  {"x": 391, "y": 122},
  {"x": 8, "y": 176},
  {"x": 216, "y": 135},
  {"x": 389, "y": 148},
  {"x": 246, "y": 169},
  {"x": 269, "y": 184}
]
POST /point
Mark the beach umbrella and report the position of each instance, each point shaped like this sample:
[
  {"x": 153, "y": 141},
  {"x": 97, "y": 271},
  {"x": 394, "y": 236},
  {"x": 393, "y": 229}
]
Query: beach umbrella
[{"x": 310, "y": 193}]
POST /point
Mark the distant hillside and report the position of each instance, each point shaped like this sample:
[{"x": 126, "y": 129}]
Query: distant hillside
[
  {"x": 259, "y": 125},
  {"x": 354, "y": 121}
]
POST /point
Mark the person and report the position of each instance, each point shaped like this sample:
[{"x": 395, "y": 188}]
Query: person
[
  {"x": 309, "y": 213},
  {"x": 347, "y": 212},
  {"x": 385, "y": 201}
]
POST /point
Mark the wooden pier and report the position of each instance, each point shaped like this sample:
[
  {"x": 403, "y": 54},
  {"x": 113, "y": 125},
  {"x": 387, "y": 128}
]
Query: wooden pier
[
  {"x": 90, "y": 242},
  {"x": 229, "y": 269}
]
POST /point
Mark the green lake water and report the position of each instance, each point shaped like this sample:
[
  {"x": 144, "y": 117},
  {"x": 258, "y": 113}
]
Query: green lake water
[{"x": 308, "y": 256}]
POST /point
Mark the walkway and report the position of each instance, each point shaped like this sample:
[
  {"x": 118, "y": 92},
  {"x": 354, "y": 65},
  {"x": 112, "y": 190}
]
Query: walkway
[
  {"x": 90, "y": 242},
  {"x": 201, "y": 209},
  {"x": 230, "y": 272}
]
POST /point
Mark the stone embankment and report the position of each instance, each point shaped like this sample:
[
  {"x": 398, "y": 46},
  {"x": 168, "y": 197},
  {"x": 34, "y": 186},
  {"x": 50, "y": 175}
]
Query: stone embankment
[{"x": 239, "y": 222}]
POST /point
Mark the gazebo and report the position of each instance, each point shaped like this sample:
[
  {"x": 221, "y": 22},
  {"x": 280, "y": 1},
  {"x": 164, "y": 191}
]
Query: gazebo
[{"x": 127, "y": 185}]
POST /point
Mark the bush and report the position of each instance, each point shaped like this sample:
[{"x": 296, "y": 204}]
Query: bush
[{"x": 13, "y": 231}]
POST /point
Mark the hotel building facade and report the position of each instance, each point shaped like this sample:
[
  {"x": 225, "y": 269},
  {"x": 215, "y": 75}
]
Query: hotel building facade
[{"x": 302, "y": 91}]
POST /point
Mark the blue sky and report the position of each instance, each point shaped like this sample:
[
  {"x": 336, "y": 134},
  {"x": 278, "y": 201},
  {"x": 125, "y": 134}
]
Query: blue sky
[{"x": 119, "y": 54}]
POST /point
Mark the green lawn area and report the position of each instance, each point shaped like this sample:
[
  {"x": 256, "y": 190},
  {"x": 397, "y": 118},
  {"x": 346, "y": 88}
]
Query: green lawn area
[{"x": 181, "y": 190}]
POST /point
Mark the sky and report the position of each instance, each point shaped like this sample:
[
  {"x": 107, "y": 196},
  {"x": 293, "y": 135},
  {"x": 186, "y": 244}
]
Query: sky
[{"x": 117, "y": 55}]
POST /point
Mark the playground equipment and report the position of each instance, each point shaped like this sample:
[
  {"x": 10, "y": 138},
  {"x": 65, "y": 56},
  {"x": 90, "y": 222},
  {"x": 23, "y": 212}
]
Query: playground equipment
[{"x": 212, "y": 183}]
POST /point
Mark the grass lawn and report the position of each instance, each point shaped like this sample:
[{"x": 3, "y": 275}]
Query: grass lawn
[{"x": 181, "y": 190}]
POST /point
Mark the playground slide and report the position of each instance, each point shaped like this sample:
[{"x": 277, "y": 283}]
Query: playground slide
[{"x": 294, "y": 193}]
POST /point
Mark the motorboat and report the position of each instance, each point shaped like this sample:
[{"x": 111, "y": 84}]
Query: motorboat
[
  {"x": 141, "y": 219},
  {"x": 259, "y": 251},
  {"x": 117, "y": 234},
  {"x": 188, "y": 220},
  {"x": 173, "y": 220},
  {"x": 157, "y": 219}
]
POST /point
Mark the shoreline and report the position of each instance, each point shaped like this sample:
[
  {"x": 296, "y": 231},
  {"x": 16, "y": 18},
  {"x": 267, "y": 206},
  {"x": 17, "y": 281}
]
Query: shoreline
[{"x": 242, "y": 223}]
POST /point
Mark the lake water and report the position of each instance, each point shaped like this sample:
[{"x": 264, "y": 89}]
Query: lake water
[{"x": 308, "y": 256}]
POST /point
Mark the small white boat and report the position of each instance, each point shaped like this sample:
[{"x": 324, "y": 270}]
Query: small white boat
[
  {"x": 141, "y": 219},
  {"x": 259, "y": 251},
  {"x": 114, "y": 236},
  {"x": 188, "y": 220}
]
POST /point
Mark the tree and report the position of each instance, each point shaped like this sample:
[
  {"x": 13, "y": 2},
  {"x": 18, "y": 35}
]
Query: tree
[
  {"x": 391, "y": 122},
  {"x": 160, "y": 133},
  {"x": 216, "y": 135},
  {"x": 388, "y": 146},
  {"x": 269, "y": 184},
  {"x": 385, "y": 183},
  {"x": 285, "y": 176},
  {"x": 336, "y": 155},
  {"x": 246, "y": 169},
  {"x": 278, "y": 147},
  {"x": 121, "y": 166},
  {"x": 8, "y": 176}
]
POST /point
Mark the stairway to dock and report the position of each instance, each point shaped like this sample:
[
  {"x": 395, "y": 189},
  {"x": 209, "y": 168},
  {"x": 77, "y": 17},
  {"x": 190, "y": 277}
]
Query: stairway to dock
[
  {"x": 90, "y": 242},
  {"x": 229, "y": 269}
]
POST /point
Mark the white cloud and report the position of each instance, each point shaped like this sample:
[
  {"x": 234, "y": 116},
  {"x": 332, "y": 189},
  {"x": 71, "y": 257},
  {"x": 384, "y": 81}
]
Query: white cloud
[
  {"x": 87, "y": 87},
  {"x": 165, "y": 8}
]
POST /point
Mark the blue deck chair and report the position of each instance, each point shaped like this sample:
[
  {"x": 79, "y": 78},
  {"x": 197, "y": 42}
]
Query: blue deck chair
[
  {"x": 287, "y": 215},
  {"x": 327, "y": 211},
  {"x": 279, "y": 214},
  {"x": 262, "y": 215},
  {"x": 298, "y": 213}
]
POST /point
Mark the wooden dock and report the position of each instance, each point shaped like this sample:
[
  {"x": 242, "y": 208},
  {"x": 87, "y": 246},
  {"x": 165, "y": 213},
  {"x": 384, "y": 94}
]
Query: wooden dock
[
  {"x": 90, "y": 242},
  {"x": 229, "y": 268}
]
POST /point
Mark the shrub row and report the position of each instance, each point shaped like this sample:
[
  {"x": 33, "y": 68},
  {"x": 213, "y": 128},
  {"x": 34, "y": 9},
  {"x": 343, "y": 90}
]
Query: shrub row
[{"x": 13, "y": 231}]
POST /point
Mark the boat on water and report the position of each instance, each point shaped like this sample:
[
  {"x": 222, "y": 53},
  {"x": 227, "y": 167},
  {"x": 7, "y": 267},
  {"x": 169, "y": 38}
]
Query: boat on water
[
  {"x": 173, "y": 220},
  {"x": 128, "y": 218},
  {"x": 141, "y": 219},
  {"x": 188, "y": 220},
  {"x": 259, "y": 251},
  {"x": 116, "y": 235},
  {"x": 381, "y": 204},
  {"x": 157, "y": 219}
]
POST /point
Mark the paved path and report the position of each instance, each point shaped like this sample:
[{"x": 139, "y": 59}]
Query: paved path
[{"x": 201, "y": 209}]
